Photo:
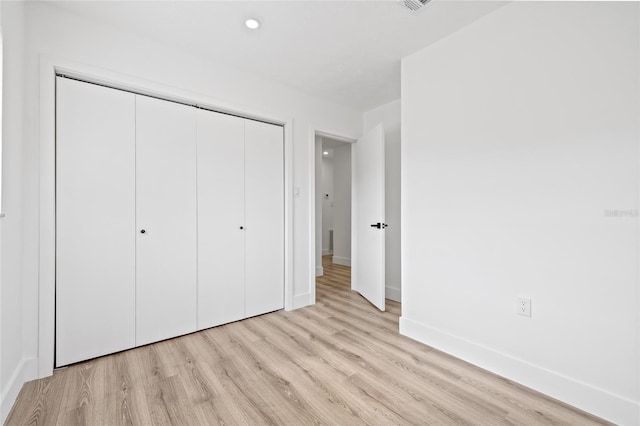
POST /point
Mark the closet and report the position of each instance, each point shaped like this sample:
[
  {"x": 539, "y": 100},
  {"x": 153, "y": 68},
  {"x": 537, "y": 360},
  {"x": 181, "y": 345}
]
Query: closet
[
  {"x": 240, "y": 174},
  {"x": 169, "y": 219}
]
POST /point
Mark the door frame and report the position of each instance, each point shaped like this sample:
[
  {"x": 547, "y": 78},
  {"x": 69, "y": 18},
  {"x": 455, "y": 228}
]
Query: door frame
[
  {"x": 51, "y": 66},
  {"x": 322, "y": 132}
]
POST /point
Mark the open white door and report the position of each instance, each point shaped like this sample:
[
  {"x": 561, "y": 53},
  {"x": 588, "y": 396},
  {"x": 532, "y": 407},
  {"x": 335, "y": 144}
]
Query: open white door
[{"x": 367, "y": 223}]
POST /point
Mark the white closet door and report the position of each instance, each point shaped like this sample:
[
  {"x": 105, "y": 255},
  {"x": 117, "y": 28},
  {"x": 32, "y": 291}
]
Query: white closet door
[
  {"x": 165, "y": 219},
  {"x": 95, "y": 221},
  {"x": 264, "y": 231},
  {"x": 220, "y": 219}
]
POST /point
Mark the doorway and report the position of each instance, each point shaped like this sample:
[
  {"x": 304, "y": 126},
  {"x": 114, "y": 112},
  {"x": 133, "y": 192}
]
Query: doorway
[
  {"x": 383, "y": 138},
  {"x": 333, "y": 203}
]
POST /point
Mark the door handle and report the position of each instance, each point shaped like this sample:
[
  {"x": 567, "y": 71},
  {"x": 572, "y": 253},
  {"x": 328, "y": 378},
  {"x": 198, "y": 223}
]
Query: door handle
[{"x": 379, "y": 225}]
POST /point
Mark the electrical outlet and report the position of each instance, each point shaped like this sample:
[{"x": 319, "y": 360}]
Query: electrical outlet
[{"x": 523, "y": 307}]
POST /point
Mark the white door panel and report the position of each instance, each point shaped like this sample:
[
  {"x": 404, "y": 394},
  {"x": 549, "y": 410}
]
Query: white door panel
[
  {"x": 368, "y": 258},
  {"x": 220, "y": 219},
  {"x": 166, "y": 210},
  {"x": 95, "y": 221},
  {"x": 264, "y": 225}
]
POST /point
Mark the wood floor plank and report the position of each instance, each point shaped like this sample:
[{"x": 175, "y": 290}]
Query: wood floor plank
[
  {"x": 310, "y": 391},
  {"x": 45, "y": 401},
  {"x": 124, "y": 396},
  {"x": 339, "y": 362}
]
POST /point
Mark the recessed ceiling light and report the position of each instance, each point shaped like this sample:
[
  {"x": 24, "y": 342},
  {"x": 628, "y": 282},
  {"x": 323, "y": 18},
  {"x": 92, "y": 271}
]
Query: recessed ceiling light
[
  {"x": 326, "y": 153},
  {"x": 252, "y": 24}
]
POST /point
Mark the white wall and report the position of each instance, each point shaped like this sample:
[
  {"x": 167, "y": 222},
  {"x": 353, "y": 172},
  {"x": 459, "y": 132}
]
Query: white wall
[
  {"x": 12, "y": 358},
  {"x": 342, "y": 205},
  {"x": 389, "y": 116},
  {"x": 327, "y": 202},
  {"x": 520, "y": 136},
  {"x": 59, "y": 34}
]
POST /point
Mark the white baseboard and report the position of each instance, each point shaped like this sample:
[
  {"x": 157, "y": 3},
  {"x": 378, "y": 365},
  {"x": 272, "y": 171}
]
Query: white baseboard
[
  {"x": 25, "y": 371},
  {"x": 319, "y": 271},
  {"x": 599, "y": 402},
  {"x": 344, "y": 261},
  {"x": 326, "y": 252},
  {"x": 301, "y": 300},
  {"x": 30, "y": 369},
  {"x": 392, "y": 293}
]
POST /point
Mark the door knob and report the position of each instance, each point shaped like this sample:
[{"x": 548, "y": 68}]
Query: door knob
[
  {"x": 142, "y": 231},
  {"x": 242, "y": 227},
  {"x": 379, "y": 225}
]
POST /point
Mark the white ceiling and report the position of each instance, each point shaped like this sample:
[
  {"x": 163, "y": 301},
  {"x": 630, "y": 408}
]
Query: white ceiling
[
  {"x": 345, "y": 51},
  {"x": 328, "y": 143}
]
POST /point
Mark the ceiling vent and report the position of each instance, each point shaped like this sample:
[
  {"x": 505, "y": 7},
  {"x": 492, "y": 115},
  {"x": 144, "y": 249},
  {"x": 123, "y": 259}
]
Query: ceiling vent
[{"x": 414, "y": 5}]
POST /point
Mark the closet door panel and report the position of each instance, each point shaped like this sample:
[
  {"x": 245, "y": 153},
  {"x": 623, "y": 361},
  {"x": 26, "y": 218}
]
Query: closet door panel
[
  {"x": 264, "y": 213},
  {"x": 220, "y": 219},
  {"x": 166, "y": 297},
  {"x": 95, "y": 221}
]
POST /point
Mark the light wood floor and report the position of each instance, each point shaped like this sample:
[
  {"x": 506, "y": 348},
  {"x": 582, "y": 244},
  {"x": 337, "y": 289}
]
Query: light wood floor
[{"x": 340, "y": 362}]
